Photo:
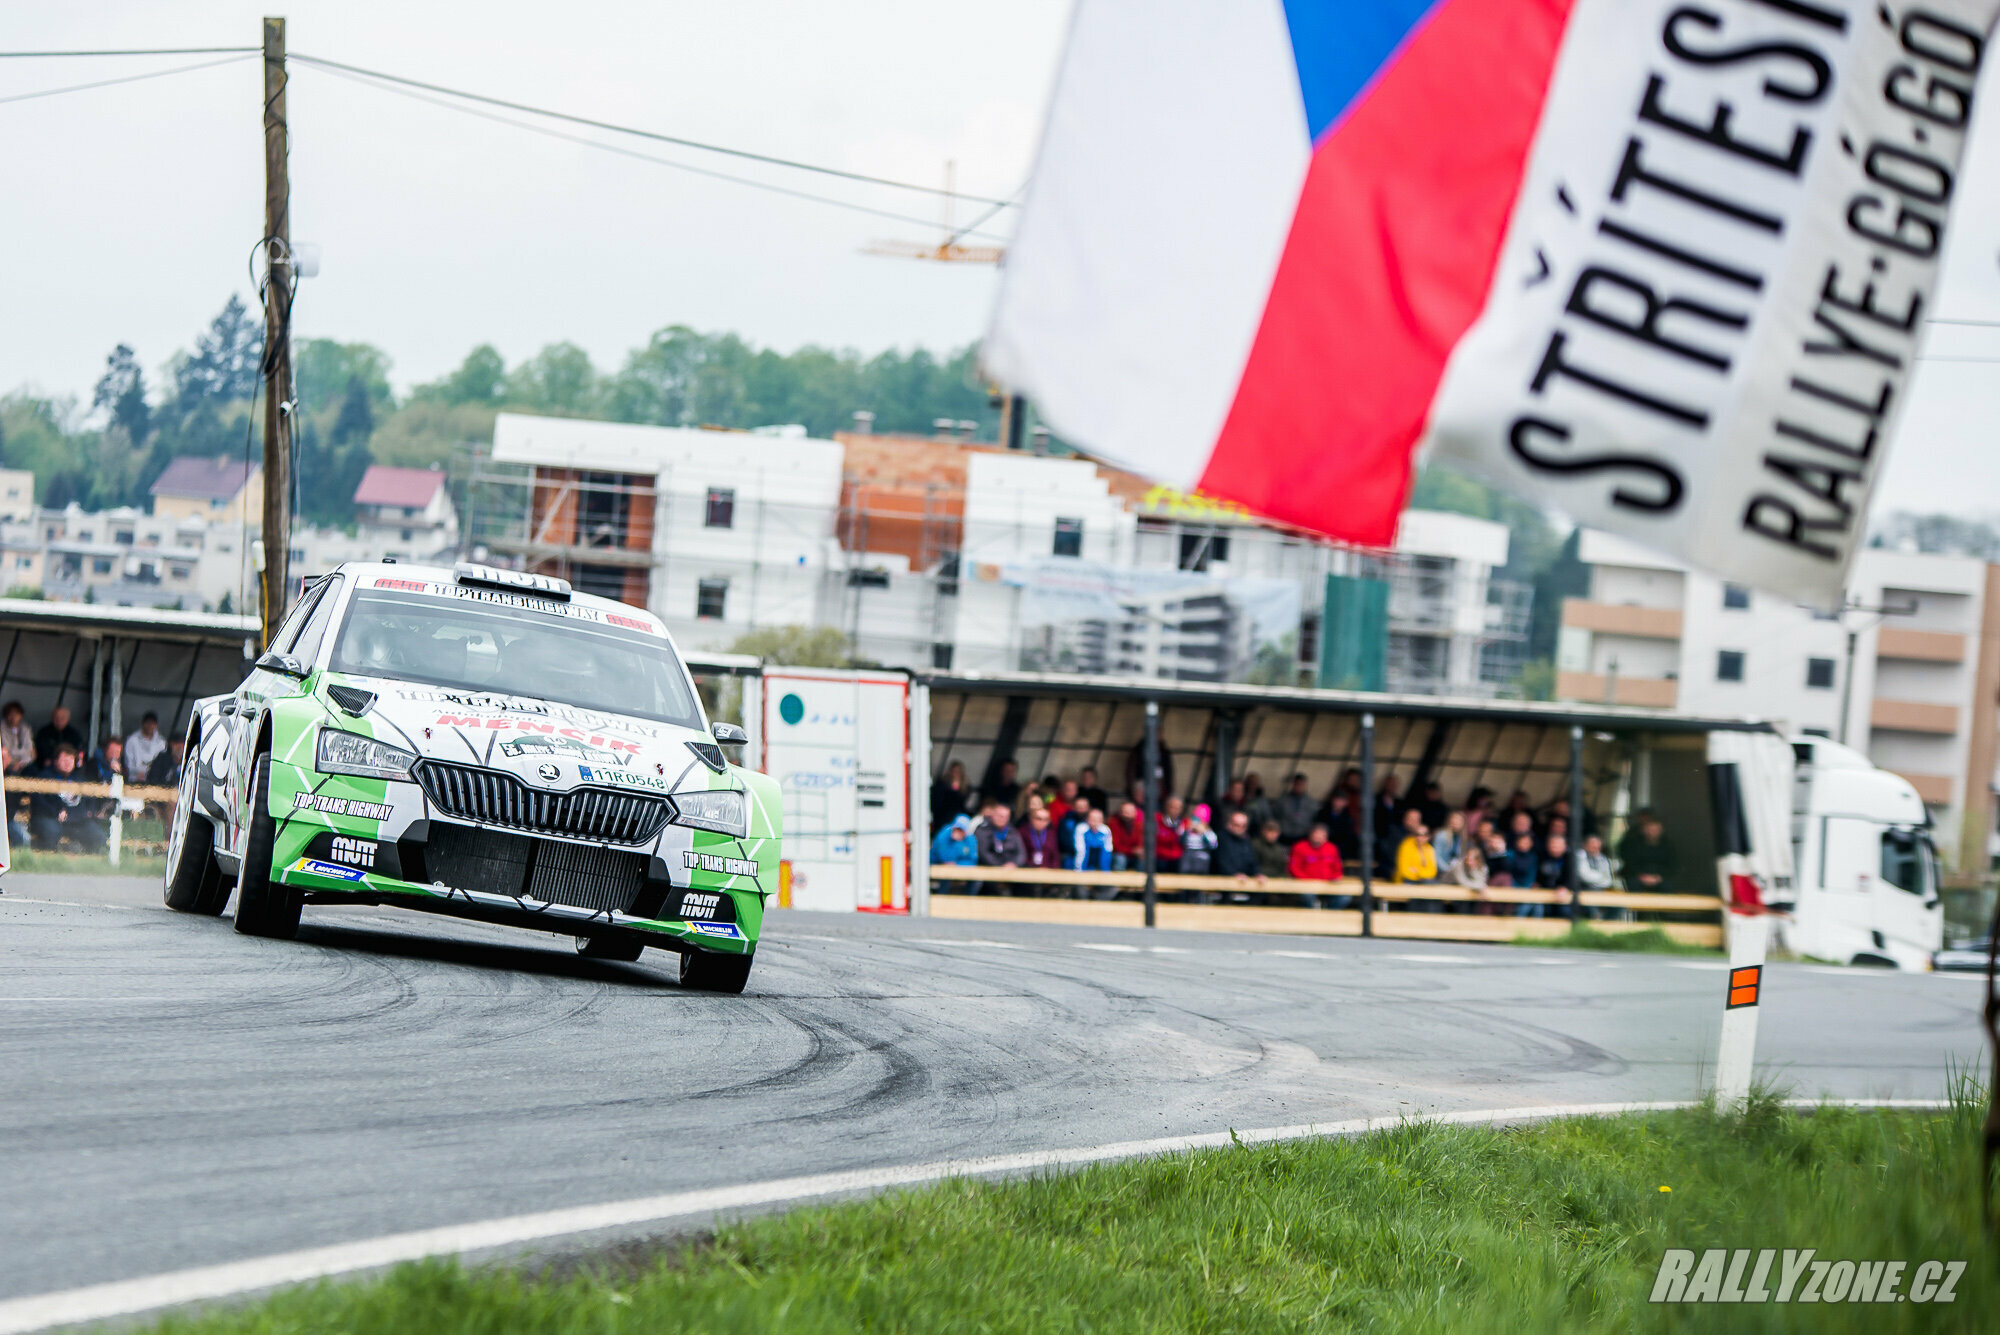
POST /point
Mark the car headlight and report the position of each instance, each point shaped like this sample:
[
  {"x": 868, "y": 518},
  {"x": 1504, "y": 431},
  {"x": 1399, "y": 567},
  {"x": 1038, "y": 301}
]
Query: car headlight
[
  {"x": 364, "y": 757},
  {"x": 722, "y": 811}
]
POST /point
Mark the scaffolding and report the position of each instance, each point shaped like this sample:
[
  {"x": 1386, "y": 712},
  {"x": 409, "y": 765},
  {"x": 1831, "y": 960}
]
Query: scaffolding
[{"x": 893, "y": 563}]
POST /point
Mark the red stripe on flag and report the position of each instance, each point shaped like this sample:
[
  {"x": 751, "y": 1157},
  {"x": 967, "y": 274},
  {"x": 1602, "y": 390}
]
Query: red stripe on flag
[{"x": 1387, "y": 265}]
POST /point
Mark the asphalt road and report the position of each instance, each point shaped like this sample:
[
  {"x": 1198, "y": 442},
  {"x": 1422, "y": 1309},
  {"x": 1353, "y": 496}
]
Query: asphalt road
[{"x": 175, "y": 1095}]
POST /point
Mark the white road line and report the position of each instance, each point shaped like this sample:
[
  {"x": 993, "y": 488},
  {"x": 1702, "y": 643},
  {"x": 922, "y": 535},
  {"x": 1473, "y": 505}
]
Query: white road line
[
  {"x": 99, "y": 1302},
  {"x": 1106, "y": 945},
  {"x": 962, "y": 941}
]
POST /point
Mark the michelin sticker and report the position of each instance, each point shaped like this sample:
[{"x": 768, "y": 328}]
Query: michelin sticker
[
  {"x": 716, "y": 862},
  {"x": 314, "y": 867},
  {"x": 727, "y": 929}
]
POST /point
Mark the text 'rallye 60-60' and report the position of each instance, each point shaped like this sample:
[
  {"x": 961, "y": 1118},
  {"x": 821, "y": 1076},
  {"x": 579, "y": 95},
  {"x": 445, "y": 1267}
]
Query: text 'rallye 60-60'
[{"x": 482, "y": 743}]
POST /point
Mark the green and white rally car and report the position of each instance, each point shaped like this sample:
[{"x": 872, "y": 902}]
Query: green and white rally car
[{"x": 482, "y": 743}]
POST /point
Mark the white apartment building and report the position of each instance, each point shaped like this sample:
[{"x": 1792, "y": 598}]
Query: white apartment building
[
  {"x": 715, "y": 532},
  {"x": 926, "y": 551},
  {"x": 1923, "y": 634}
]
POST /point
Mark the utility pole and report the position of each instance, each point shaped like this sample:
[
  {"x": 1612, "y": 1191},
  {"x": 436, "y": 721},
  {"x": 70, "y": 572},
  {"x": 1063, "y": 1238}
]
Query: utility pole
[{"x": 280, "y": 282}]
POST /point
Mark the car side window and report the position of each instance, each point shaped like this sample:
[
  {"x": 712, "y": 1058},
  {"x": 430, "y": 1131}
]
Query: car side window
[
  {"x": 295, "y": 620},
  {"x": 314, "y": 631}
]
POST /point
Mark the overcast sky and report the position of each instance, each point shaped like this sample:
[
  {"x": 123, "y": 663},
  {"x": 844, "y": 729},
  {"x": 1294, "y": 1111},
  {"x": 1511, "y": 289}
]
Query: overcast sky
[{"x": 131, "y": 210}]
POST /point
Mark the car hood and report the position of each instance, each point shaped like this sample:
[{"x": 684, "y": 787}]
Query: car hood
[{"x": 548, "y": 745}]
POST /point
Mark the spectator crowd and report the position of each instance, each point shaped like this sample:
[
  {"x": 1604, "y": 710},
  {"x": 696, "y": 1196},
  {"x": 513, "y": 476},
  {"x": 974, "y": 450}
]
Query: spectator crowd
[
  {"x": 1249, "y": 838},
  {"x": 70, "y": 821}
]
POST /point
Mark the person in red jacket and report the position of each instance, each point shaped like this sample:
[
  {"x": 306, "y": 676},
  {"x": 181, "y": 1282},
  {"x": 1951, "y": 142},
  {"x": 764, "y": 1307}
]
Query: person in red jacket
[
  {"x": 1170, "y": 828},
  {"x": 1126, "y": 850},
  {"x": 1314, "y": 858}
]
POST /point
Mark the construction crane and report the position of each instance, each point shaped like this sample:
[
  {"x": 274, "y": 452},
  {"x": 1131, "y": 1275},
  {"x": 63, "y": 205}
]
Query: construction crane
[{"x": 947, "y": 250}]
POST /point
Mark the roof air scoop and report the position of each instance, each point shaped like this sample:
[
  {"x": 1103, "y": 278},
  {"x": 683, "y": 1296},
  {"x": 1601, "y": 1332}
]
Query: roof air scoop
[{"x": 513, "y": 581}]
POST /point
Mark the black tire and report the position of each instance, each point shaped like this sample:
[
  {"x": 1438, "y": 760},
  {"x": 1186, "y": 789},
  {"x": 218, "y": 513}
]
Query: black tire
[
  {"x": 264, "y": 907},
  {"x": 621, "y": 949},
  {"x": 194, "y": 880},
  {"x": 706, "y": 972}
]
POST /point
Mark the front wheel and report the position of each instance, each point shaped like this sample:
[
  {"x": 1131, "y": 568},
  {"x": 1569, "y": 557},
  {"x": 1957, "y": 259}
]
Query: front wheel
[
  {"x": 194, "y": 882},
  {"x": 705, "y": 972},
  {"x": 264, "y": 907}
]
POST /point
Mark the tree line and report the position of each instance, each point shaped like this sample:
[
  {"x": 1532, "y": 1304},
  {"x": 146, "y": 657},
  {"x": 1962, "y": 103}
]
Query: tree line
[{"x": 109, "y": 451}]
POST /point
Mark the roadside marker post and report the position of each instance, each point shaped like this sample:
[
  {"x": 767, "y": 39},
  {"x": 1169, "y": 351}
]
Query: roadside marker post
[
  {"x": 784, "y": 883},
  {"x": 1749, "y": 937}
]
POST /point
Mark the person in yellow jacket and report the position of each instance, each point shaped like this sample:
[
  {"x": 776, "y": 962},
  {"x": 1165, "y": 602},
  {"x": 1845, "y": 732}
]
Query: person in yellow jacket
[
  {"x": 1416, "y": 859},
  {"x": 1417, "y": 864}
]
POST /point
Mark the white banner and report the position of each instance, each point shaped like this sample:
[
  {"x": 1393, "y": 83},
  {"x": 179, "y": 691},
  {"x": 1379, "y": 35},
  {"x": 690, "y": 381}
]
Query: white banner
[{"x": 1712, "y": 293}]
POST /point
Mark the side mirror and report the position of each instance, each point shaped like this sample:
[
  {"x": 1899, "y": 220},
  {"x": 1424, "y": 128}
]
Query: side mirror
[
  {"x": 284, "y": 665},
  {"x": 728, "y": 734}
]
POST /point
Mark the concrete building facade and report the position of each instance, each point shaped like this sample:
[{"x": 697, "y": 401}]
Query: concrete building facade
[
  {"x": 1908, "y": 674},
  {"x": 924, "y": 551}
]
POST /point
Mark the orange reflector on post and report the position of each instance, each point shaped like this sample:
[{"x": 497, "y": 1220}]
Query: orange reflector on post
[
  {"x": 1743, "y": 986},
  {"x": 888, "y": 882},
  {"x": 784, "y": 884}
]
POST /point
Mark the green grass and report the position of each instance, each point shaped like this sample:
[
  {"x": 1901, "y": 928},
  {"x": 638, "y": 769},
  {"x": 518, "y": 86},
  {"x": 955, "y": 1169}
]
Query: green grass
[
  {"x": 1645, "y": 941},
  {"x": 1557, "y": 1227},
  {"x": 130, "y": 863}
]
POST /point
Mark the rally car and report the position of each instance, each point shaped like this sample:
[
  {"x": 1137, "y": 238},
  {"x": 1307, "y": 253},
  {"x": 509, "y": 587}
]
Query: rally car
[{"x": 483, "y": 743}]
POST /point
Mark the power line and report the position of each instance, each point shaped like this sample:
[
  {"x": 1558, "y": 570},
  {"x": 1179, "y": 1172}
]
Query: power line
[
  {"x": 1977, "y": 324},
  {"x": 642, "y": 134},
  {"x": 130, "y": 78},
  {"x": 368, "y": 81},
  {"x": 148, "y": 51}
]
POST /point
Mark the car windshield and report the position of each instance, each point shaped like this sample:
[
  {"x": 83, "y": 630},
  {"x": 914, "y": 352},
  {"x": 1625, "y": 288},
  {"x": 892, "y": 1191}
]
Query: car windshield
[{"x": 513, "y": 650}]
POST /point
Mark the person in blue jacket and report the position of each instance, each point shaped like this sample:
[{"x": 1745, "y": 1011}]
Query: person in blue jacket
[
  {"x": 1090, "y": 850},
  {"x": 954, "y": 845}
]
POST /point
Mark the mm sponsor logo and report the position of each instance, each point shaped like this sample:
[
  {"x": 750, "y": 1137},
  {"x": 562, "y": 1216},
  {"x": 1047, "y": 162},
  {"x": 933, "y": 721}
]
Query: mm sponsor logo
[
  {"x": 716, "y": 862},
  {"x": 578, "y": 747},
  {"x": 353, "y": 852},
  {"x": 697, "y": 905},
  {"x": 314, "y": 867},
  {"x": 728, "y": 929},
  {"x": 1798, "y": 1276},
  {"x": 621, "y": 778},
  {"x": 341, "y": 806}
]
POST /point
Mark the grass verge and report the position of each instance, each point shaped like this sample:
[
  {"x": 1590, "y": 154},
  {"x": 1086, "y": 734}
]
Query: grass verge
[
  {"x": 1645, "y": 941},
  {"x": 130, "y": 863},
  {"x": 1557, "y": 1227}
]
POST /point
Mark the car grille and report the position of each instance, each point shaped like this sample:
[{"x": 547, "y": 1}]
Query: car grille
[
  {"x": 493, "y": 798},
  {"x": 598, "y": 879}
]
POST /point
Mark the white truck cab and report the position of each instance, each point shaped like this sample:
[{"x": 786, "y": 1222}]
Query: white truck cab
[{"x": 1865, "y": 872}]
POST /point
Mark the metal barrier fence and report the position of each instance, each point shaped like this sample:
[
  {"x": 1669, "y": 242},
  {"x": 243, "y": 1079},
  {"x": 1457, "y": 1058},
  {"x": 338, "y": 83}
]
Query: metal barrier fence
[{"x": 1315, "y": 922}]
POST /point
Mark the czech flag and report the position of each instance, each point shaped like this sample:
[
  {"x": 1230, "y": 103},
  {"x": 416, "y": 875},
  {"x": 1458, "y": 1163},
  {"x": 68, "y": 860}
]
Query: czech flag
[{"x": 1590, "y": 249}]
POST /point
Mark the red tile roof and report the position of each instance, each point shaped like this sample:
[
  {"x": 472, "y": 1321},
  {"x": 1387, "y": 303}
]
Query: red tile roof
[
  {"x": 205, "y": 479},
  {"x": 412, "y": 487}
]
